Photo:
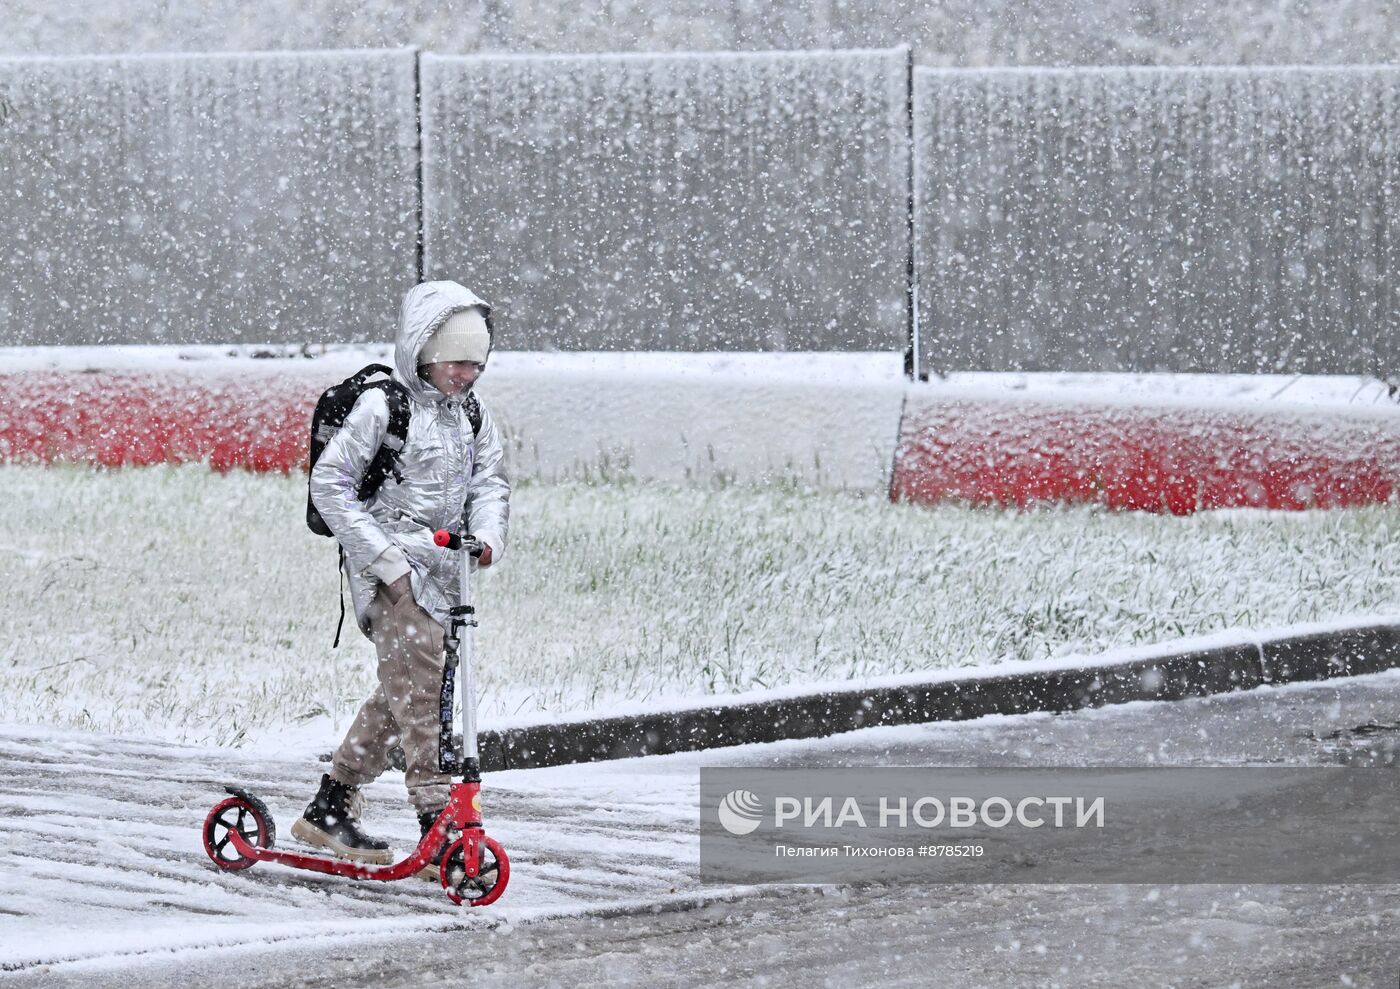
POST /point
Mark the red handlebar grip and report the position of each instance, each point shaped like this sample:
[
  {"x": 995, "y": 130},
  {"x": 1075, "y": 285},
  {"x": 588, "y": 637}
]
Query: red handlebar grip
[{"x": 442, "y": 537}]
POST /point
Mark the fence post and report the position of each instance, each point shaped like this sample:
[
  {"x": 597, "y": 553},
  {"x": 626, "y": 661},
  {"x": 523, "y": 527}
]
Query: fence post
[
  {"x": 418, "y": 184},
  {"x": 913, "y": 359}
]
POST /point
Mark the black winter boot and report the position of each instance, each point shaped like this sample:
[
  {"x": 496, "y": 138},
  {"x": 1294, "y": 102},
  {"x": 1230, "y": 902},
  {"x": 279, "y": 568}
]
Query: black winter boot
[
  {"x": 329, "y": 822},
  {"x": 432, "y": 871}
]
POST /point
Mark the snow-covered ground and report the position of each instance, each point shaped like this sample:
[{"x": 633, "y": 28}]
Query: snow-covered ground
[
  {"x": 103, "y": 882},
  {"x": 194, "y": 606},
  {"x": 863, "y": 368}
]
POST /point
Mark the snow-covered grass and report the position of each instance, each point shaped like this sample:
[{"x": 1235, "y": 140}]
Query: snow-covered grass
[{"x": 192, "y": 605}]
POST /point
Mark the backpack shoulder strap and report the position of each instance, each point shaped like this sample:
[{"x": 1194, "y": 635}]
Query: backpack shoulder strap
[
  {"x": 474, "y": 413},
  {"x": 387, "y": 458},
  {"x": 399, "y": 413}
]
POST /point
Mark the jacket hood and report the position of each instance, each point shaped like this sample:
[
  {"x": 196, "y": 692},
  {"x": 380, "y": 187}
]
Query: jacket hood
[{"x": 425, "y": 308}]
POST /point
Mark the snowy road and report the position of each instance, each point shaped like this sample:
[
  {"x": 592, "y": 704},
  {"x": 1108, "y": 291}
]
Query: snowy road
[
  {"x": 605, "y": 857},
  {"x": 100, "y": 855}
]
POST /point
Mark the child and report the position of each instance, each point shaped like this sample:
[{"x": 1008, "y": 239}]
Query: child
[{"x": 401, "y": 583}]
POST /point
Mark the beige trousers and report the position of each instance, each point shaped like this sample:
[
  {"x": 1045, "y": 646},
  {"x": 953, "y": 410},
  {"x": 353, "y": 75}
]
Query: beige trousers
[{"x": 404, "y": 708}]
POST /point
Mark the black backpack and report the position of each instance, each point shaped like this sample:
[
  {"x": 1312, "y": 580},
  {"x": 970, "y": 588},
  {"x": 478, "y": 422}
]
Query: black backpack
[{"x": 332, "y": 408}]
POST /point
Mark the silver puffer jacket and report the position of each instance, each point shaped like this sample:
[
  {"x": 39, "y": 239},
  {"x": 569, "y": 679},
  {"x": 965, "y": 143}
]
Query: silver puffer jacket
[{"x": 443, "y": 470}]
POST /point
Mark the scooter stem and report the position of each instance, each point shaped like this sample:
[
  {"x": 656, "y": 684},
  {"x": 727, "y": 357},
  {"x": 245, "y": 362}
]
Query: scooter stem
[
  {"x": 461, "y": 647},
  {"x": 471, "y": 761}
]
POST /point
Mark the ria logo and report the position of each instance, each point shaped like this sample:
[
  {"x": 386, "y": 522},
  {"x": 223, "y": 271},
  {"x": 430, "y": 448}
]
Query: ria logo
[{"x": 740, "y": 812}]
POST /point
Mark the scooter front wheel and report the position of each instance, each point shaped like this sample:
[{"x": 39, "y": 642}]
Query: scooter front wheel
[
  {"x": 492, "y": 872},
  {"x": 249, "y": 818}
]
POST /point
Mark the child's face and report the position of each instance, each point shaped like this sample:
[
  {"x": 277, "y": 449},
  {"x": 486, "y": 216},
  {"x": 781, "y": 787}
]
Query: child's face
[{"x": 451, "y": 377}]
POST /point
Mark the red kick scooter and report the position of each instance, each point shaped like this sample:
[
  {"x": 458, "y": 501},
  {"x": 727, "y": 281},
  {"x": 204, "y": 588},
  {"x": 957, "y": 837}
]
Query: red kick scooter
[{"x": 239, "y": 831}]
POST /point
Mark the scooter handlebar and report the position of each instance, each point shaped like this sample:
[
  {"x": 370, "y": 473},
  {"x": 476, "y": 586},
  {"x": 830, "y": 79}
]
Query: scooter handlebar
[{"x": 450, "y": 540}]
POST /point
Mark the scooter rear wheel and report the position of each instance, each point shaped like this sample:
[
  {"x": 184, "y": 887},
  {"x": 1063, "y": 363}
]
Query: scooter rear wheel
[
  {"x": 492, "y": 875},
  {"x": 246, "y": 817}
]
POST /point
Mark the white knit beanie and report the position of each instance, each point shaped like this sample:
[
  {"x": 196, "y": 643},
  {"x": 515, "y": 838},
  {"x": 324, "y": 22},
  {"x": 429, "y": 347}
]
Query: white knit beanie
[{"x": 461, "y": 337}]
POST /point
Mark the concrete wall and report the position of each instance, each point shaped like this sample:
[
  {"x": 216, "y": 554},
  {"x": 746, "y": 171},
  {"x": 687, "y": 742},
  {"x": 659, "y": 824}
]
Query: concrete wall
[
  {"x": 674, "y": 202},
  {"x": 229, "y": 198},
  {"x": 1159, "y": 219},
  {"x": 1153, "y": 219}
]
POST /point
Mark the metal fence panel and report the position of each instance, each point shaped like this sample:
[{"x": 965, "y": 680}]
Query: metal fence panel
[
  {"x": 674, "y": 202},
  {"x": 1158, "y": 219},
  {"x": 207, "y": 198}
]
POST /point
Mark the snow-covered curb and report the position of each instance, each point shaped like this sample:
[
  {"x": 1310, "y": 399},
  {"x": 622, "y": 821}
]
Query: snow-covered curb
[
  {"x": 821, "y": 419},
  {"x": 1187, "y": 668},
  {"x": 1149, "y": 454},
  {"x": 1177, "y": 443}
]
